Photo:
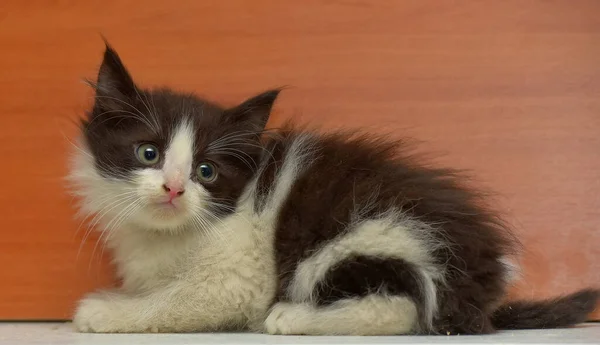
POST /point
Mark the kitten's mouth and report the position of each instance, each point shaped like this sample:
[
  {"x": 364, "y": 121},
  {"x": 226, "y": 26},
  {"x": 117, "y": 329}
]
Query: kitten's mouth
[{"x": 169, "y": 205}]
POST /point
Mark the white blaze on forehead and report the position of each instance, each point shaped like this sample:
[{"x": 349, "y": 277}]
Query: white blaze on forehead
[{"x": 179, "y": 155}]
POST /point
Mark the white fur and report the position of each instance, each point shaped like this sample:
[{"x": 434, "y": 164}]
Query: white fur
[
  {"x": 297, "y": 158},
  {"x": 513, "y": 271},
  {"x": 179, "y": 156},
  {"x": 372, "y": 315},
  {"x": 387, "y": 237}
]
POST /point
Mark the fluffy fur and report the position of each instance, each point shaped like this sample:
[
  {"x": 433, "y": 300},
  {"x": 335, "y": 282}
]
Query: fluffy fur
[{"x": 295, "y": 233}]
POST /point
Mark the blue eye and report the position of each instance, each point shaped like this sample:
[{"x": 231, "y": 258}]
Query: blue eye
[
  {"x": 206, "y": 172},
  {"x": 147, "y": 154}
]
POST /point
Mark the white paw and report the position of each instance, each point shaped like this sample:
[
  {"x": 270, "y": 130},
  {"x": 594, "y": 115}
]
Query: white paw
[
  {"x": 99, "y": 314},
  {"x": 287, "y": 318}
]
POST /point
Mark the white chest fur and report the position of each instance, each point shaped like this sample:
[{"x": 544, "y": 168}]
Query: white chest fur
[{"x": 236, "y": 258}]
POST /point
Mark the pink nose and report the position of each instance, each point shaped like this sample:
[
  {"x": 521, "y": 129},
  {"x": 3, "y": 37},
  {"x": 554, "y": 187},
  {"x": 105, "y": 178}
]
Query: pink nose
[{"x": 173, "y": 191}]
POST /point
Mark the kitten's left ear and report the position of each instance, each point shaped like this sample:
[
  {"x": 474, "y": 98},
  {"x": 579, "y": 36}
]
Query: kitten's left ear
[{"x": 255, "y": 111}]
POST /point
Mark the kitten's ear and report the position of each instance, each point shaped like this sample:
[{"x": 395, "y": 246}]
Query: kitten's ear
[
  {"x": 254, "y": 112},
  {"x": 113, "y": 78}
]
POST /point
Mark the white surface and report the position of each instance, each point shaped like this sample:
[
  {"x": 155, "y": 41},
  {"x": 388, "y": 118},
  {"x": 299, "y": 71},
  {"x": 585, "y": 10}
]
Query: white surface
[{"x": 62, "y": 333}]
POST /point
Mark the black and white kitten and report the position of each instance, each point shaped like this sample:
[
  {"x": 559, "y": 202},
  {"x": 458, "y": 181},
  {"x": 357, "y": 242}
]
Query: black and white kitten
[{"x": 214, "y": 225}]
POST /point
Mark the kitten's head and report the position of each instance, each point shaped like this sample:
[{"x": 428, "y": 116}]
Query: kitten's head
[{"x": 161, "y": 159}]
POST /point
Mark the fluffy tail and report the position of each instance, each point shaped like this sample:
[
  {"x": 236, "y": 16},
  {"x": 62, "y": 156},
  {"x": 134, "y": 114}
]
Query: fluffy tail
[{"x": 554, "y": 313}]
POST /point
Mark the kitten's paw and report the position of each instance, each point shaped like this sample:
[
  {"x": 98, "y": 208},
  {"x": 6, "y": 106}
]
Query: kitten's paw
[
  {"x": 99, "y": 314},
  {"x": 287, "y": 318}
]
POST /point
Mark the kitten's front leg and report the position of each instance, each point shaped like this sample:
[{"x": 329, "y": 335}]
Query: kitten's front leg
[
  {"x": 176, "y": 307},
  {"x": 102, "y": 312}
]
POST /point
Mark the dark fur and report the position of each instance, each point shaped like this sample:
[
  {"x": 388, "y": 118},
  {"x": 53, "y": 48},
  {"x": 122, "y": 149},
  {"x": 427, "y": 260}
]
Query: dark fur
[
  {"x": 554, "y": 313},
  {"x": 363, "y": 275},
  {"x": 348, "y": 169}
]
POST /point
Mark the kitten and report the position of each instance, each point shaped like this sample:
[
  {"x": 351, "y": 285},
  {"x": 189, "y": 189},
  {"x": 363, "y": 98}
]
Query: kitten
[{"x": 216, "y": 224}]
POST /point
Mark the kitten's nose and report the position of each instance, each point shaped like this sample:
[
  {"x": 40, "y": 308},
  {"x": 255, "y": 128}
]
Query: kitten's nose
[{"x": 173, "y": 190}]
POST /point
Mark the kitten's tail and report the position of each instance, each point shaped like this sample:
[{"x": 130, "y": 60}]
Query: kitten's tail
[{"x": 553, "y": 313}]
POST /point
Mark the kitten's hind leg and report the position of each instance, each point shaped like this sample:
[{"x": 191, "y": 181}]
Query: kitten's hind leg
[{"x": 370, "y": 315}]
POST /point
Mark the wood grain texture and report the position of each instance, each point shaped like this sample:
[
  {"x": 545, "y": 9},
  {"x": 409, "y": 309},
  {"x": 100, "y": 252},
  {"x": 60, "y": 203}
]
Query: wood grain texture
[{"x": 509, "y": 89}]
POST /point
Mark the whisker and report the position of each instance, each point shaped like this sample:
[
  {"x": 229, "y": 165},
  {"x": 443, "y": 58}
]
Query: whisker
[
  {"x": 229, "y": 136},
  {"x": 137, "y": 205},
  {"x": 103, "y": 199},
  {"x": 214, "y": 217},
  {"x": 233, "y": 153},
  {"x": 134, "y": 116},
  {"x": 155, "y": 112},
  {"x": 98, "y": 216},
  {"x": 143, "y": 117},
  {"x": 152, "y": 115},
  {"x": 207, "y": 228}
]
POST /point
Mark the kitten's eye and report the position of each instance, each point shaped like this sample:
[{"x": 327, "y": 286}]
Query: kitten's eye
[
  {"x": 206, "y": 172},
  {"x": 147, "y": 154}
]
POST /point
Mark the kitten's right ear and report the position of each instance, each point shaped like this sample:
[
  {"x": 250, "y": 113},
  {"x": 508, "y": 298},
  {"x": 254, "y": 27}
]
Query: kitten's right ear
[{"x": 113, "y": 78}]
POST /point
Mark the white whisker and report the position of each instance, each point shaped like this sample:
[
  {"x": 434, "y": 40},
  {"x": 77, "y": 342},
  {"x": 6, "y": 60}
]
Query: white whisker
[
  {"x": 137, "y": 205},
  {"x": 236, "y": 155},
  {"x": 142, "y": 117},
  {"x": 151, "y": 114}
]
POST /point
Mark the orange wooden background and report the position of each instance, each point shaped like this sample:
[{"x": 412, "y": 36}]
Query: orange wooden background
[{"x": 510, "y": 89}]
